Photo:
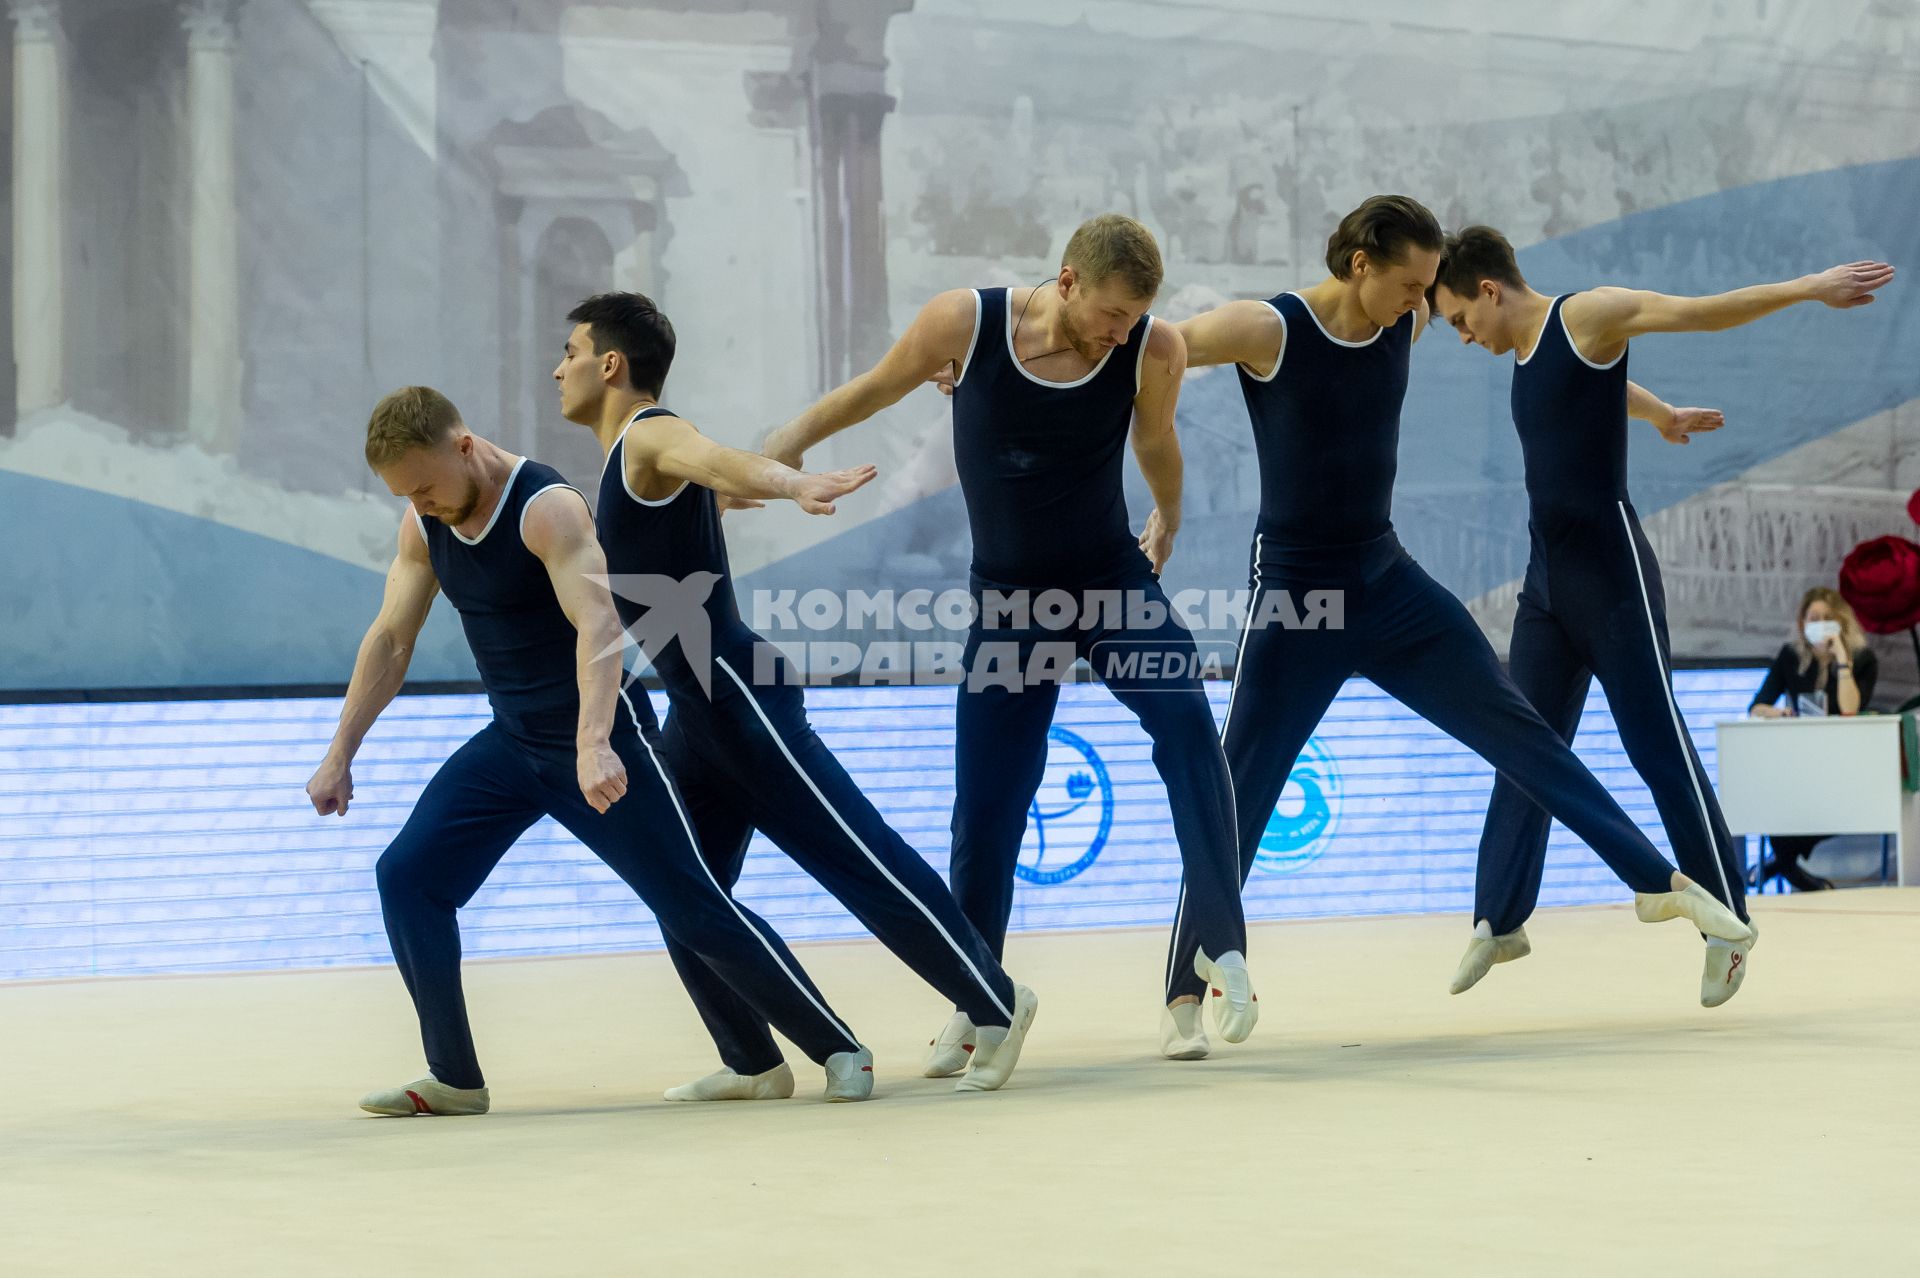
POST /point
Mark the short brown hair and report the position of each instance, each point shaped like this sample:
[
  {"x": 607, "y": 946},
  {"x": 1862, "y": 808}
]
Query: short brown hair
[
  {"x": 1473, "y": 254},
  {"x": 1111, "y": 245},
  {"x": 412, "y": 417},
  {"x": 1383, "y": 227}
]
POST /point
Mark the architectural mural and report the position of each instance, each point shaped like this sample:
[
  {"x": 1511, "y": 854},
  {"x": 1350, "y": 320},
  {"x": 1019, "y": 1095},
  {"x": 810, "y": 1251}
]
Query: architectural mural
[{"x": 234, "y": 224}]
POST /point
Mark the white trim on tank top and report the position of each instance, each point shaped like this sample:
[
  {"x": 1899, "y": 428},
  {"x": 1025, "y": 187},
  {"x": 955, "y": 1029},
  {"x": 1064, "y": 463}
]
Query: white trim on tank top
[
  {"x": 620, "y": 450},
  {"x": 617, "y": 441},
  {"x": 1275, "y": 370},
  {"x": 1575, "y": 346},
  {"x": 538, "y": 493},
  {"x": 1337, "y": 341},
  {"x": 505, "y": 490},
  {"x": 979, "y": 305},
  {"x": 1140, "y": 359},
  {"x": 1540, "y": 336},
  {"x": 1091, "y": 373}
]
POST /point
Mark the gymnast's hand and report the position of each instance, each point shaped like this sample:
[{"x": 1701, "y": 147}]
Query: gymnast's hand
[
  {"x": 1157, "y": 541},
  {"x": 603, "y": 778},
  {"x": 332, "y": 787},
  {"x": 1845, "y": 287},
  {"x": 726, "y": 503},
  {"x": 816, "y": 493},
  {"x": 944, "y": 380},
  {"x": 1690, "y": 421}
]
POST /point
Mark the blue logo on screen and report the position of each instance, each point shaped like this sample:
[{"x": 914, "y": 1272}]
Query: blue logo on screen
[
  {"x": 1071, "y": 814},
  {"x": 1303, "y": 821}
]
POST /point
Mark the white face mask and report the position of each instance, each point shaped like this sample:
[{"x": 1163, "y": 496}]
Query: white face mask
[{"x": 1818, "y": 632}]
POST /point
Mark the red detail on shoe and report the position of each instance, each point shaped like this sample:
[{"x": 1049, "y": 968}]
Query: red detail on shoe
[
  {"x": 419, "y": 1106},
  {"x": 1216, "y": 993},
  {"x": 866, "y": 1069},
  {"x": 966, "y": 1047},
  {"x": 1734, "y": 966}
]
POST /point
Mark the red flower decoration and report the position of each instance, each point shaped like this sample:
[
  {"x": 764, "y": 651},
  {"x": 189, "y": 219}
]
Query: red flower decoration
[{"x": 1881, "y": 579}]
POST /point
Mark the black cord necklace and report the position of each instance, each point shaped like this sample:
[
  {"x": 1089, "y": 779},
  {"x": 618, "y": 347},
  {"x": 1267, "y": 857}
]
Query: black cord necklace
[{"x": 1014, "y": 340}]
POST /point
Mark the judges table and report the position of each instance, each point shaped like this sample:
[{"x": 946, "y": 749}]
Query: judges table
[{"x": 1820, "y": 776}]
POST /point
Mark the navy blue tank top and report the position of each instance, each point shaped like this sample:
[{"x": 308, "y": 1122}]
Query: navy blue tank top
[
  {"x": 1326, "y": 427},
  {"x": 674, "y": 537},
  {"x": 1572, "y": 417},
  {"x": 521, "y": 640},
  {"x": 1041, "y": 462}
]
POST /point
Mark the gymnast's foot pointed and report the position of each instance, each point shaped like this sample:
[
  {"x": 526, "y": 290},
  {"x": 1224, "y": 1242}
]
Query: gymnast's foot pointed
[
  {"x": 725, "y": 1085},
  {"x": 949, "y": 1050},
  {"x": 1236, "y": 1008},
  {"x": 1486, "y": 949},
  {"x": 1688, "y": 900},
  {"x": 1183, "y": 1032},
  {"x": 1726, "y": 967}
]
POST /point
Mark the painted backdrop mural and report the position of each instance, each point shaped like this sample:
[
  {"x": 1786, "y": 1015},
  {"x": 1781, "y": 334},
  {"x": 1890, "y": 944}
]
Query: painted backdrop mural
[{"x": 236, "y": 223}]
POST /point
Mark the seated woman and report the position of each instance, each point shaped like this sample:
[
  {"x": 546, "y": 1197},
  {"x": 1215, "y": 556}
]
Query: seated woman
[{"x": 1826, "y": 661}]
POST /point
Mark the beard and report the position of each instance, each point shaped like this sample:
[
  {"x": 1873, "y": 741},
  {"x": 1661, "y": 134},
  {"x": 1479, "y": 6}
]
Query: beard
[
  {"x": 1092, "y": 352},
  {"x": 464, "y": 511}
]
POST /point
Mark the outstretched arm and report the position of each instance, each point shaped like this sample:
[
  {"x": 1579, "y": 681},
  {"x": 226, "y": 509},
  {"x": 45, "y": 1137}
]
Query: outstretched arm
[
  {"x": 1674, "y": 424},
  {"x": 1245, "y": 332},
  {"x": 559, "y": 531},
  {"x": 381, "y": 666},
  {"x": 938, "y": 338},
  {"x": 670, "y": 448},
  {"x": 1602, "y": 320},
  {"x": 1155, "y": 445}
]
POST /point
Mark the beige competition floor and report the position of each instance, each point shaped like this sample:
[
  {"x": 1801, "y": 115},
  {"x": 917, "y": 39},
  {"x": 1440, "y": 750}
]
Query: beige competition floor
[{"x": 1576, "y": 1113}]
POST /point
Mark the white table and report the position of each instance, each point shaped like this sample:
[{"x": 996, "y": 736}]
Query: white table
[{"x": 1820, "y": 776}]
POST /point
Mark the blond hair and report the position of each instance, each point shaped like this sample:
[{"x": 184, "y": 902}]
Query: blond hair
[
  {"x": 1111, "y": 246},
  {"x": 412, "y": 417},
  {"x": 1850, "y": 632}
]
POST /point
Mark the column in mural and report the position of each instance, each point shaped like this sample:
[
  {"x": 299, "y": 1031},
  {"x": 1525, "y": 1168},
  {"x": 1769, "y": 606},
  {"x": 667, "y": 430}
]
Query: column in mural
[
  {"x": 213, "y": 278},
  {"x": 39, "y": 98}
]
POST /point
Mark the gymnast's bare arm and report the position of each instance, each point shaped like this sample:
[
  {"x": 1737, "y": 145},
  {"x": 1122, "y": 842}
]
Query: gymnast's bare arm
[
  {"x": 670, "y": 451},
  {"x": 1155, "y": 444},
  {"x": 1602, "y": 321},
  {"x": 937, "y": 339},
  {"x": 1250, "y": 334},
  {"x": 1676, "y": 425},
  {"x": 559, "y": 531},
  {"x": 381, "y": 667}
]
